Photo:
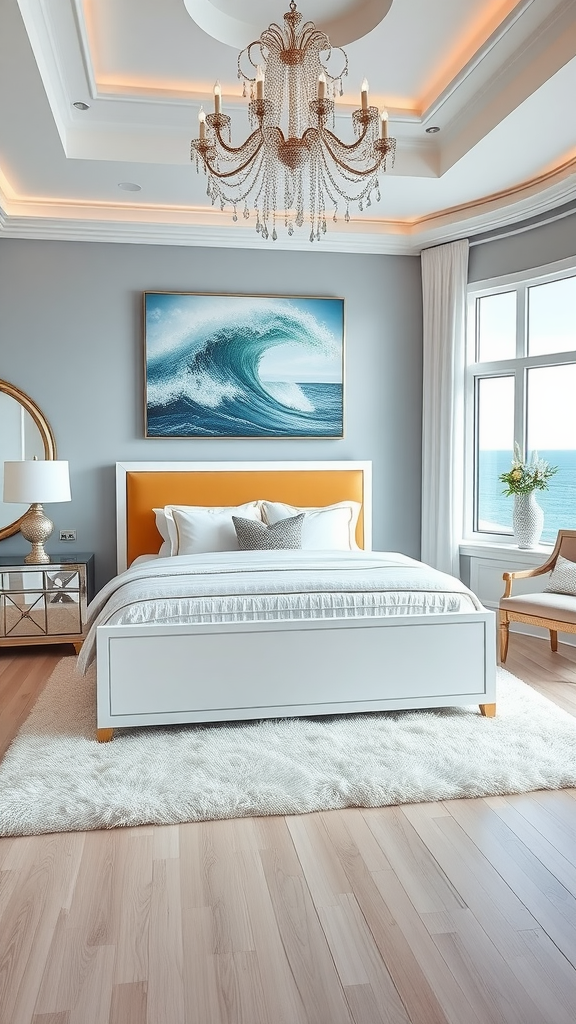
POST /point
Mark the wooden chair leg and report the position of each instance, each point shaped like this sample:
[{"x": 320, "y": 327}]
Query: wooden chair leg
[
  {"x": 554, "y": 639},
  {"x": 504, "y": 637}
]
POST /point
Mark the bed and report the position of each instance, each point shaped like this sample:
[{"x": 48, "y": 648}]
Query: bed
[{"x": 223, "y": 636}]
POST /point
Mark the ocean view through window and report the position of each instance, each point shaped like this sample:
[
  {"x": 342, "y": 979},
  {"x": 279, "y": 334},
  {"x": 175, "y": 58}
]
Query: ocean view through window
[
  {"x": 521, "y": 387},
  {"x": 558, "y": 502}
]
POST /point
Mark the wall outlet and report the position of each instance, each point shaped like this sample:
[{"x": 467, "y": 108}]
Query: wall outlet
[{"x": 67, "y": 534}]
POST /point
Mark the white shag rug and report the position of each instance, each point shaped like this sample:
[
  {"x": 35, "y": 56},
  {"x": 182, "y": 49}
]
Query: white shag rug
[{"x": 55, "y": 777}]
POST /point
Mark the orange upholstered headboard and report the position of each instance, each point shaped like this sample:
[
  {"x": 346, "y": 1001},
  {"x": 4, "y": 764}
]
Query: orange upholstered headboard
[{"x": 143, "y": 486}]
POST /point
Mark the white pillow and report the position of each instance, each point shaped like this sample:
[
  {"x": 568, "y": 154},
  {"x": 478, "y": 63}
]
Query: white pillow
[
  {"x": 332, "y": 527},
  {"x": 167, "y": 527},
  {"x": 194, "y": 530},
  {"x": 162, "y": 527}
]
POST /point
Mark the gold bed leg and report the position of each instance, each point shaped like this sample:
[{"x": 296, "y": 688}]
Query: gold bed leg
[
  {"x": 554, "y": 639},
  {"x": 488, "y": 710},
  {"x": 504, "y": 636},
  {"x": 104, "y": 735},
  {"x": 77, "y": 644}
]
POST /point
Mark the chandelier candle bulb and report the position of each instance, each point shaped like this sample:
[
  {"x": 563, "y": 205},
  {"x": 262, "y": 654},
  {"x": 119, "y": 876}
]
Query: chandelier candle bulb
[
  {"x": 384, "y": 124},
  {"x": 322, "y": 86},
  {"x": 202, "y": 122},
  {"x": 259, "y": 82},
  {"x": 217, "y": 98},
  {"x": 364, "y": 95}
]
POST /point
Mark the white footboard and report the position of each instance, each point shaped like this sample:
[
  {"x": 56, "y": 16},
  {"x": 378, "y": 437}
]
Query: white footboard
[{"x": 152, "y": 675}]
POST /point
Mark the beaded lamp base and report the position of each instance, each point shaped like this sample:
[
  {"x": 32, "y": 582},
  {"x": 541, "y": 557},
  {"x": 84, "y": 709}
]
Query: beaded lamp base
[{"x": 36, "y": 528}]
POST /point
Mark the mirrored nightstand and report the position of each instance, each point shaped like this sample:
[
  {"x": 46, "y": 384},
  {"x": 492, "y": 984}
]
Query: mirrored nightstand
[{"x": 45, "y": 604}]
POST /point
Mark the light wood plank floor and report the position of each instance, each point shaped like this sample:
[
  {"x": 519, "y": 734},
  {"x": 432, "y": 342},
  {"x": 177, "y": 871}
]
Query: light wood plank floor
[{"x": 461, "y": 912}]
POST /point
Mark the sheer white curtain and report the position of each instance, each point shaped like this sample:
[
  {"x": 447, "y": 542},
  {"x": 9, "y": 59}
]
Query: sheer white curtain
[{"x": 444, "y": 282}]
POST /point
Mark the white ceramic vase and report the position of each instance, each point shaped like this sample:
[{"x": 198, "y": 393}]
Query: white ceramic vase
[{"x": 527, "y": 520}]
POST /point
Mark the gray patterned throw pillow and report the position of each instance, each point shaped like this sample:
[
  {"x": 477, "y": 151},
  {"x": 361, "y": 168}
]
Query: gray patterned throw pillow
[
  {"x": 255, "y": 536},
  {"x": 562, "y": 578}
]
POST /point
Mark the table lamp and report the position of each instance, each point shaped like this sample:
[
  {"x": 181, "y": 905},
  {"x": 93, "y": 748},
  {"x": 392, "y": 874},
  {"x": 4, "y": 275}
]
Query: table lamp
[{"x": 33, "y": 482}]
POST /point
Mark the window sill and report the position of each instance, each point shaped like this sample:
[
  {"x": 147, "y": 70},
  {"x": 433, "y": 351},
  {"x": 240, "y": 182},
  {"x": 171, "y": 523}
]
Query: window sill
[{"x": 491, "y": 549}]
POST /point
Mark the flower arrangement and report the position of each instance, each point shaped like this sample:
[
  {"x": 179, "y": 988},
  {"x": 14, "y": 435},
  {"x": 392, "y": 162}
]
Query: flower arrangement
[{"x": 527, "y": 475}]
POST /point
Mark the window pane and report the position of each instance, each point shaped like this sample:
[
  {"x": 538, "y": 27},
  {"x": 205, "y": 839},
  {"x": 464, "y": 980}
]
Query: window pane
[
  {"x": 495, "y": 444},
  {"x": 552, "y": 317},
  {"x": 552, "y": 433},
  {"x": 497, "y": 327}
]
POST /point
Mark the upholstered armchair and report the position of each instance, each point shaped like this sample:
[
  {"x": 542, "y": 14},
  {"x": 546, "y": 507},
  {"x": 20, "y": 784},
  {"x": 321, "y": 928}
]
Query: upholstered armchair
[{"x": 555, "y": 608}]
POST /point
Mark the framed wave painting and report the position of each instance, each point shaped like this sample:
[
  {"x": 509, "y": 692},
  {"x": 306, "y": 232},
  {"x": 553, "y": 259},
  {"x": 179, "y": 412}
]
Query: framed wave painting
[{"x": 243, "y": 366}]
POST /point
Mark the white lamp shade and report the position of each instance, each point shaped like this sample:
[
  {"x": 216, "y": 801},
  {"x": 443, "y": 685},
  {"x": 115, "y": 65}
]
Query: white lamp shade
[{"x": 36, "y": 481}]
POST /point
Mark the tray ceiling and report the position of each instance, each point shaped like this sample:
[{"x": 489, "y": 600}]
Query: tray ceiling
[{"x": 497, "y": 77}]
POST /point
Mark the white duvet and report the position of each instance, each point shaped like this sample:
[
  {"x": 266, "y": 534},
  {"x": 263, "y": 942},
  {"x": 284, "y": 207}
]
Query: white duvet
[{"x": 236, "y": 586}]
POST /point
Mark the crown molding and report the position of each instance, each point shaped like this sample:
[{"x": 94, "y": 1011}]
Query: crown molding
[
  {"x": 478, "y": 106},
  {"x": 197, "y": 235},
  {"x": 198, "y": 227},
  {"x": 434, "y": 102},
  {"x": 501, "y": 209},
  {"x": 39, "y": 22}
]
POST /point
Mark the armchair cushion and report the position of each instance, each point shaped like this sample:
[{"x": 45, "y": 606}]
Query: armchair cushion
[
  {"x": 561, "y": 607},
  {"x": 562, "y": 578}
]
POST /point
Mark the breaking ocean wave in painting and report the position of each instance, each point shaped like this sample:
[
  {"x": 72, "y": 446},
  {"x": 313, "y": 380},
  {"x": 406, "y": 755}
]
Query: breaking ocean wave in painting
[{"x": 219, "y": 366}]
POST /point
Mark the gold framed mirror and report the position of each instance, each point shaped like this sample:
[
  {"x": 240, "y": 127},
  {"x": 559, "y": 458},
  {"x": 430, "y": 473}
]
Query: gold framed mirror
[{"x": 24, "y": 433}]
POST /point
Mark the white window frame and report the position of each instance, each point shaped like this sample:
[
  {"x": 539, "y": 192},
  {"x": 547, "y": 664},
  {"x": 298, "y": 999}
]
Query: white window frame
[{"x": 519, "y": 283}]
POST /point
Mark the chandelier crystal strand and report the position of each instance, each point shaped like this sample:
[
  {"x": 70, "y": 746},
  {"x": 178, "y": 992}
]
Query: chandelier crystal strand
[{"x": 286, "y": 74}]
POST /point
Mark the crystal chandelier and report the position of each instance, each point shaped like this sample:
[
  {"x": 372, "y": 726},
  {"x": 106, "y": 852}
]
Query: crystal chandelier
[{"x": 292, "y": 166}]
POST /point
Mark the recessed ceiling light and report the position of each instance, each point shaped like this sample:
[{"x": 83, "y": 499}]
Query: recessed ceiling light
[
  {"x": 81, "y": 106},
  {"x": 129, "y": 186},
  {"x": 432, "y": 130}
]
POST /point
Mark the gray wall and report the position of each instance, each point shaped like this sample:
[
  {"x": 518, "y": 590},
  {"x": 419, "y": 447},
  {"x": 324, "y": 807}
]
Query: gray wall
[
  {"x": 71, "y": 336},
  {"x": 529, "y": 249}
]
